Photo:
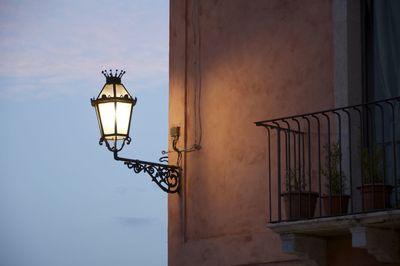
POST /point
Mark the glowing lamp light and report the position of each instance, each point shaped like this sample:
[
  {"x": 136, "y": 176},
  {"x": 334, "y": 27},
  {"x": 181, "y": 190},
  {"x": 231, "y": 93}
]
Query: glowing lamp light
[{"x": 114, "y": 106}]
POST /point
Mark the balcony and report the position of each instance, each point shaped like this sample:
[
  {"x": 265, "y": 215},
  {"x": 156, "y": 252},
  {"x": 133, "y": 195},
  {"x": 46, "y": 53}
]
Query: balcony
[{"x": 335, "y": 171}]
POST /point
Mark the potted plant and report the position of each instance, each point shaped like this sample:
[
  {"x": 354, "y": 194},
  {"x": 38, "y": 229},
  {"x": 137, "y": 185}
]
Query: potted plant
[
  {"x": 337, "y": 201},
  {"x": 299, "y": 203},
  {"x": 375, "y": 193}
]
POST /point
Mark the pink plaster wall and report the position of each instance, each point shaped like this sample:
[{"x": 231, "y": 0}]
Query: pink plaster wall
[
  {"x": 260, "y": 59},
  {"x": 341, "y": 253}
]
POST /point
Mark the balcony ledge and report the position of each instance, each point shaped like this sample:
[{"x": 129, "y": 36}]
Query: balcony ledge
[
  {"x": 378, "y": 232},
  {"x": 340, "y": 224}
]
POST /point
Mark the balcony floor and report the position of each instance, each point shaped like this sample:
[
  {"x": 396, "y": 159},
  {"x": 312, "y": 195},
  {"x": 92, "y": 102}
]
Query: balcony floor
[
  {"x": 377, "y": 232},
  {"x": 332, "y": 226}
]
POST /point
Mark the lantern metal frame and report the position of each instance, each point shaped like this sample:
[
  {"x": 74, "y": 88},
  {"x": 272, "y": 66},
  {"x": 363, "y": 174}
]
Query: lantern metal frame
[{"x": 166, "y": 176}]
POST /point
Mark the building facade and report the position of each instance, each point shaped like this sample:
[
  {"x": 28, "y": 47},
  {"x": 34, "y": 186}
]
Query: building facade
[{"x": 236, "y": 62}]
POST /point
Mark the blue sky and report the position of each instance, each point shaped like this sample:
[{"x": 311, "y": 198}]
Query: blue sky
[{"x": 63, "y": 199}]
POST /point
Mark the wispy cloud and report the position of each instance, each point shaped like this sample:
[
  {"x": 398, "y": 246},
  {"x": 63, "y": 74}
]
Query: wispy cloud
[
  {"x": 136, "y": 221},
  {"x": 48, "y": 45}
]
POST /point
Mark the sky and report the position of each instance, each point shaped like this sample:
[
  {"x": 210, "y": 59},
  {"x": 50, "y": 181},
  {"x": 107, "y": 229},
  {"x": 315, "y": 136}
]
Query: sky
[{"x": 64, "y": 201}]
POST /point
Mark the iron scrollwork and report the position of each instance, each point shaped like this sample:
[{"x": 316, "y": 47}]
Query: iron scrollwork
[
  {"x": 114, "y": 148},
  {"x": 166, "y": 176}
]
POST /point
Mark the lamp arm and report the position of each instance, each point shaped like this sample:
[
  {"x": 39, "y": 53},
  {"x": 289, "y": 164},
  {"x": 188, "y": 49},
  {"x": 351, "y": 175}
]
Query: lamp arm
[{"x": 167, "y": 177}]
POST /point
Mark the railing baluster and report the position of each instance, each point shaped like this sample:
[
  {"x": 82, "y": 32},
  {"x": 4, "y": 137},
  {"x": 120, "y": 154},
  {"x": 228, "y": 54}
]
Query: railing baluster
[
  {"x": 309, "y": 157},
  {"x": 340, "y": 158},
  {"x": 288, "y": 180},
  {"x": 319, "y": 163},
  {"x": 394, "y": 150},
  {"x": 287, "y": 160},
  {"x": 301, "y": 178},
  {"x": 383, "y": 151},
  {"x": 350, "y": 161},
  {"x": 329, "y": 159},
  {"x": 361, "y": 152},
  {"x": 371, "y": 148},
  {"x": 269, "y": 174},
  {"x": 367, "y": 127},
  {"x": 278, "y": 132}
]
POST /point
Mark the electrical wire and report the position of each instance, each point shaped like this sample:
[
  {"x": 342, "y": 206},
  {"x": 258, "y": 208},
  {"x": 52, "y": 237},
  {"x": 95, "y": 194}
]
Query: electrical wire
[
  {"x": 197, "y": 79},
  {"x": 197, "y": 87}
]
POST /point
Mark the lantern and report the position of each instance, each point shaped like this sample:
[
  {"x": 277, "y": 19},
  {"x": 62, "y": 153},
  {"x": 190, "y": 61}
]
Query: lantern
[{"x": 114, "y": 107}]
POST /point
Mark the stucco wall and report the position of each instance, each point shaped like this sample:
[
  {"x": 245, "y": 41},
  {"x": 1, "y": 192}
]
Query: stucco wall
[
  {"x": 259, "y": 59},
  {"x": 340, "y": 252}
]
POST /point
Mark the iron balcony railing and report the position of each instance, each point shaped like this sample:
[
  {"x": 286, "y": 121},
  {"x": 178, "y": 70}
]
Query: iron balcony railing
[{"x": 334, "y": 162}]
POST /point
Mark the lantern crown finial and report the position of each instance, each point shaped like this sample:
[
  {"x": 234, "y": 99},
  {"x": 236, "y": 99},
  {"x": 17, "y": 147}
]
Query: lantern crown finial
[{"x": 113, "y": 78}]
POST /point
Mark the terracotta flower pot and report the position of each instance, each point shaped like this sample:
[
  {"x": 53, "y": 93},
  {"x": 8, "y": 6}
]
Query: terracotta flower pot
[
  {"x": 299, "y": 205},
  {"x": 336, "y": 204},
  {"x": 375, "y": 196}
]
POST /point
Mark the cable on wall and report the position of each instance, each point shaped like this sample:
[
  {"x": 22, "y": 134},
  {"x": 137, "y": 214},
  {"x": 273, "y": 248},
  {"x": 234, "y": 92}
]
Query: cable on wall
[{"x": 197, "y": 86}]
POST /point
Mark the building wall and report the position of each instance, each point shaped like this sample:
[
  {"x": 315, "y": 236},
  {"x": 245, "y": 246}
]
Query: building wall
[
  {"x": 235, "y": 62},
  {"x": 340, "y": 252}
]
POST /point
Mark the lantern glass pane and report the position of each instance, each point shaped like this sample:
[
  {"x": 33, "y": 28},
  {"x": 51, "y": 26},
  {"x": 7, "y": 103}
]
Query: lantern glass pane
[
  {"x": 107, "y": 90},
  {"x": 98, "y": 120},
  {"x": 123, "y": 117},
  {"x": 120, "y": 90},
  {"x": 107, "y": 116}
]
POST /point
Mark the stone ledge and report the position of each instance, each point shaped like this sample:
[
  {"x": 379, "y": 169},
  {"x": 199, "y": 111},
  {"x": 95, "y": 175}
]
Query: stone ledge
[
  {"x": 377, "y": 232},
  {"x": 340, "y": 224}
]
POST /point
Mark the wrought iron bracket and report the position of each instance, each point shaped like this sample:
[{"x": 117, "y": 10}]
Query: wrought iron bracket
[{"x": 167, "y": 177}]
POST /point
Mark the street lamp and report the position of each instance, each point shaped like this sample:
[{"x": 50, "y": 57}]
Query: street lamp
[{"x": 114, "y": 106}]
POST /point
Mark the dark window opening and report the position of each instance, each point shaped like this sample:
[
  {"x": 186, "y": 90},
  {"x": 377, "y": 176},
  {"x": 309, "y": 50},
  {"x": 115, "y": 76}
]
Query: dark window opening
[{"x": 382, "y": 49}]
